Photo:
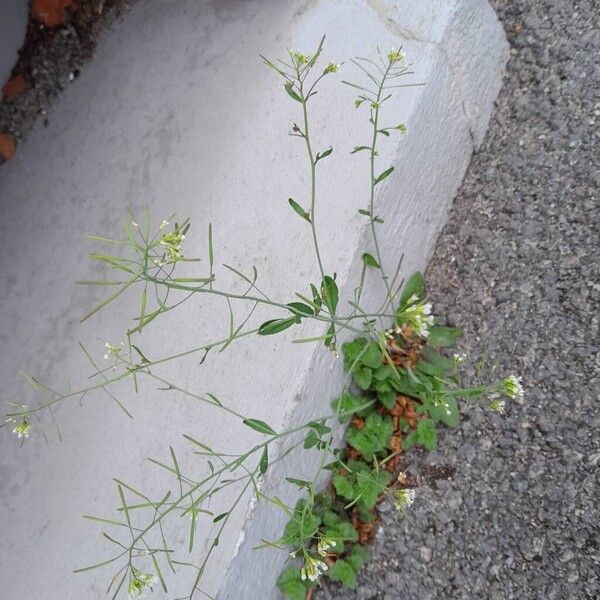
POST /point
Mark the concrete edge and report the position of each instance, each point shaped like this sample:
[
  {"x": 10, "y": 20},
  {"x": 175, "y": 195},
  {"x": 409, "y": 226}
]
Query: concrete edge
[{"x": 469, "y": 104}]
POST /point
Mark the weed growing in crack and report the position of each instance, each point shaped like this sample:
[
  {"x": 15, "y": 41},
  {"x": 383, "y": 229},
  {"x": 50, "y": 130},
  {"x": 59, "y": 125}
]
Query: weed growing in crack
[{"x": 399, "y": 386}]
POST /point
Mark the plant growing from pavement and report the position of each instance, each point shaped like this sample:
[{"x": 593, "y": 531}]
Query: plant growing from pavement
[{"x": 407, "y": 387}]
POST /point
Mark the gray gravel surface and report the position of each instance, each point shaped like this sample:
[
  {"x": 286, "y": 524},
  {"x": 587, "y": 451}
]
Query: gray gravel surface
[{"x": 518, "y": 266}]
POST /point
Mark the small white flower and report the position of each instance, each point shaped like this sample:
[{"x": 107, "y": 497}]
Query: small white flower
[
  {"x": 404, "y": 499},
  {"x": 171, "y": 242},
  {"x": 134, "y": 223},
  {"x": 325, "y": 544},
  {"x": 299, "y": 58},
  {"x": 512, "y": 387},
  {"x": 332, "y": 68},
  {"x": 395, "y": 55},
  {"x": 417, "y": 315},
  {"x": 312, "y": 569},
  {"x": 459, "y": 358},
  {"x": 139, "y": 583},
  {"x": 112, "y": 350},
  {"x": 22, "y": 429},
  {"x": 164, "y": 224},
  {"x": 499, "y": 406}
]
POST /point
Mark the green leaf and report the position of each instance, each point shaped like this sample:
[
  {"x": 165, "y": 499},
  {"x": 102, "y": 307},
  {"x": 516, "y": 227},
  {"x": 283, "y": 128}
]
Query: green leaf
[
  {"x": 299, "y": 308},
  {"x": 290, "y": 90},
  {"x": 264, "y": 461},
  {"x": 370, "y": 485},
  {"x": 343, "y": 573},
  {"x": 345, "y": 403},
  {"x": 351, "y": 351},
  {"x": 220, "y": 517},
  {"x": 441, "y": 337},
  {"x": 323, "y": 154},
  {"x": 383, "y": 175},
  {"x": 319, "y": 427},
  {"x": 372, "y": 356},
  {"x": 440, "y": 413},
  {"x": 343, "y": 486},
  {"x": 341, "y": 533},
  {"x": 373, "y": 437},
  {"x": 425, "y": 435},
  {"x": 301, "y": 527},
  {"x": 275, "y": 326},
  {"x": 291, "y": 585},
  {"x": 260, "y": 426},
  {"x": 301, "y": 483},
  {"x": 414, "y": 286},
  {"x": 311, "y": 440},
  {"x": 369, "y": 260},
  {"x": 383, "y": 372},
  {"x": 385, "y": 394},
  {"x": 359, "y": 148},
  {"x": 358, "y": 557},
  {"x": 330, "y": 293},
  {"x": 441, "y": 363},
  {"x": 363, "y": 377},
  {"x": 305, "y": 215}
]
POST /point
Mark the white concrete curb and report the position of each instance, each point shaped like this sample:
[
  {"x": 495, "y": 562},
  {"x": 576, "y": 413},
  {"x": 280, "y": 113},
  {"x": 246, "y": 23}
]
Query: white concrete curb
[
  {"x": 466, "y": 52},
  {"x": 176, "y": 111}
]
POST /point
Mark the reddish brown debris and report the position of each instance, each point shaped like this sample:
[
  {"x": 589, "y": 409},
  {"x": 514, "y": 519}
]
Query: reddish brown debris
[
  {"x": 407, "y": 354},
  {"x": 358, "y": 422},
  {"x": 15, "y": 86},
  {"x": 8, "y": 146},
  {"x": 51, "y": 13},
  {"x": 366, "y": 531}
]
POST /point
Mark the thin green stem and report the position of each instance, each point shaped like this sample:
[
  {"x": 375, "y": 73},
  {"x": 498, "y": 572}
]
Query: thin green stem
[
  {"x": 375, "y": 120},
  {"x": 313, "y": 180}
]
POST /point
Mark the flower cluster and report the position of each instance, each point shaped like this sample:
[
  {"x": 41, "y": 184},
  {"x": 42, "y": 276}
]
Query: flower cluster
[
  {"x": 332, "y": 68},
  {"x": 171, "y": 242},
  {"x": 139, "y": 583},
  {"x": 458, "y": 358},
  {"x": 417, "y": 315},
  {"x": 22, "y": 429},
  {"x": 404, "y": 499},
  {"x": 299, "y": 59},
  {"x": 313, "y": 568},
  {"x": 512, "y": 387},
  {"x": 113, "y": 350},
  {"x": 498, "y": 405},
  {"x": 395, "y": 55},
  {"x": 325, "y": 544}
]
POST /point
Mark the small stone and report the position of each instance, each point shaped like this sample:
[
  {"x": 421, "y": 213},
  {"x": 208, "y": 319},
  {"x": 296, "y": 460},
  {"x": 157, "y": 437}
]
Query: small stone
[{"x": 425, "y": 553}]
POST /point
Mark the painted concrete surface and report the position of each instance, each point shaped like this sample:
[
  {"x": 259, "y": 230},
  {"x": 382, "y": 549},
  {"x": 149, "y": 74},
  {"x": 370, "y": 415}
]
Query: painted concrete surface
[
  {"x": 13, "y": 23},
  {"x": 177, "y": 112}
]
